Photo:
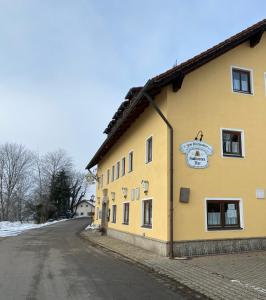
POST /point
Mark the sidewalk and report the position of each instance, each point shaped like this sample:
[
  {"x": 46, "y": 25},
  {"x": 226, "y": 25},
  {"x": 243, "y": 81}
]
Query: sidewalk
[{"x": 232, "y": 276}]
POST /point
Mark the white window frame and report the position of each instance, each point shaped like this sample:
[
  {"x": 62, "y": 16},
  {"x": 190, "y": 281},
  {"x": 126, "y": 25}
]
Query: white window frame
[
  {"x": 146, "y": 150},
  {"x": 242, "y": 142},
  {"x": 123, "y": 213},
  {"x": 241, "y": 214},
  {"x": 142, "y": 213},
  {"x": 251, "y": 80},
  {"x": 129, "y": 160}
]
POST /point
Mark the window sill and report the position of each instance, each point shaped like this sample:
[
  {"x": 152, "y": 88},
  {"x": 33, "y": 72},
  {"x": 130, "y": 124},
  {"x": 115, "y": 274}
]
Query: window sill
[
  {"x": 243, "y": 92},
  {"x": 224, "y": 228},
  {"x": 125, "y": 223},
  {"x": 232, "y": 155},
  {"x": 147, "y": 226},
  {"x": 148, "y": 162}
]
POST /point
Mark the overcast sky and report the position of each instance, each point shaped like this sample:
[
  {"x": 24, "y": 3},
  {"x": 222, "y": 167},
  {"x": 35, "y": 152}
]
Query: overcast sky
[{"x": 66, "y": 65}]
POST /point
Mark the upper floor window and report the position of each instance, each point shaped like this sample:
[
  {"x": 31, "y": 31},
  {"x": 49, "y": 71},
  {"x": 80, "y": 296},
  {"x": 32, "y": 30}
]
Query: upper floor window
[
  {"x": 241, "y": 81},
  {"x": 117, "y": 169},
  {"x": 130, "y": 161},
  {"x": 123, "y": 167},
  {"x": 113, "y": 173},
  {"x": 108, "y": 176},
  {"x": 232, "y": 143},
  {"x": 149, "y": 150}
]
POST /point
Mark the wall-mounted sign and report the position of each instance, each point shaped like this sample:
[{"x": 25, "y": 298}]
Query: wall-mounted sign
[{"x": 196, "y": 154}]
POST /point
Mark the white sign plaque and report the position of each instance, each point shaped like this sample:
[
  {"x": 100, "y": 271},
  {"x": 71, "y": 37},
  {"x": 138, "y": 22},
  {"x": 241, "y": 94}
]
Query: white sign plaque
[{"x": 196, "y": 154}]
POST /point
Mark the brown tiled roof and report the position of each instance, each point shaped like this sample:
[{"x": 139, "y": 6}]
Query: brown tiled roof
[{"x": 173, "y": 76}]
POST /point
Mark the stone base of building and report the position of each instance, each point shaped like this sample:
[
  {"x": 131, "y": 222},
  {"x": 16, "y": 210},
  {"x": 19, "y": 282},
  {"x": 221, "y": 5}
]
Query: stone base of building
[
  {"x": 209, "y": 247},
  {"x": 157, "y": 246},
  {"x": 191, "y": 248}
]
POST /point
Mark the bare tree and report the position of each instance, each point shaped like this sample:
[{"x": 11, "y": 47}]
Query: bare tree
[
  {"x": 79, "y": 187},
  {"x": 15, "y": 168}
]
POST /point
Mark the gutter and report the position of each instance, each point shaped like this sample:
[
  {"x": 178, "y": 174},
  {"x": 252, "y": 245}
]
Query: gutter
[{"x": 171, "y": 153}]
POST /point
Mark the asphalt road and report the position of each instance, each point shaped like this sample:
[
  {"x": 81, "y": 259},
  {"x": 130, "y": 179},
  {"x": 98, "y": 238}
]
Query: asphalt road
[{"x": 55, "y": 263}]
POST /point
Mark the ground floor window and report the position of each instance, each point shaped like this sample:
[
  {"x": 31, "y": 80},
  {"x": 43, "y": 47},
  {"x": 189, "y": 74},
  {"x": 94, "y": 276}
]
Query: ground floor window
[
  {"x": 147, "y": 213},
  {"x": 114, "y": 214},
  {"x": 223, "y": 214},
  {"x": 125, "y": 213}
]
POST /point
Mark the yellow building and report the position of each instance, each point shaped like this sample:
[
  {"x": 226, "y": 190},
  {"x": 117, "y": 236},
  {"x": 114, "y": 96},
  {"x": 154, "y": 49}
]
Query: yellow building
[{"x": 182, "y": 170}]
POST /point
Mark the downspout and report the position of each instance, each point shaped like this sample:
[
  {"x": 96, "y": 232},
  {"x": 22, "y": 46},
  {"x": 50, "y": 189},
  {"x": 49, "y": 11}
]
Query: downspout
[{"x": 171, "y": 153}]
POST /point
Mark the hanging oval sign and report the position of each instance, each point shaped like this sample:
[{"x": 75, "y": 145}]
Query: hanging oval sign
[{"x": 196, "y": 154}]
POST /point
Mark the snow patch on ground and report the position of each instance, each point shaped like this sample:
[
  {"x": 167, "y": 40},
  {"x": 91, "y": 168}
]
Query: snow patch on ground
[
  {"x": 247, "y": 285},
  {"x": 16, "y": 228},
  {"x": 92, "y": 227}
]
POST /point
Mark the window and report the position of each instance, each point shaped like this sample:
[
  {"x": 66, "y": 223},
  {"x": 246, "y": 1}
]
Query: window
[
  {"x": 114, "y": 214},
  {"x": 130, "y": 161},
  {"x": 241, "y": 81},
  {"x": 117, "y": 169},
  {"x": 81, "y": 213},
  {"x": 232, "y": 143},
  {"x": 102, "y": 181},
  {"x": 108, "y": 177},
  {"x": 86, "y": 205},
  {"x": 149, "y": 150},
  {"x": 125, "y": 213},
  {"x": 113, "y": 173},
  {"x": 147, "y": 213},
  {"x": 97, "y": 213},
  {"x": 123, "y": 169},
  {"x": 223, "y": 214}
]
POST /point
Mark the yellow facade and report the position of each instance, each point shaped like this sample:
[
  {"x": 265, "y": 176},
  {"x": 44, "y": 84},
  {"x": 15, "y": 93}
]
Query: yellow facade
[{"x": 206, "y": 102}]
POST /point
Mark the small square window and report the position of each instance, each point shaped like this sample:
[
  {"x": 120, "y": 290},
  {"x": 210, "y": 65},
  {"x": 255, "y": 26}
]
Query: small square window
[
  {"x": 241, "y": 81},
  {"x": 223, "y": 214},
  {"x": 232, "y": 143}
]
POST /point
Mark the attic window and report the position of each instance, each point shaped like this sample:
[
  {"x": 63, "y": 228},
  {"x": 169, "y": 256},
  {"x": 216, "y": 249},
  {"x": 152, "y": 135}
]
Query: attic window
[{"x": 241, "y": 81}]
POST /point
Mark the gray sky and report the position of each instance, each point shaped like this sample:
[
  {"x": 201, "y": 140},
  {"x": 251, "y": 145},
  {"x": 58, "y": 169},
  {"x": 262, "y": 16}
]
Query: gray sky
[{"x": 65, "y": 65}]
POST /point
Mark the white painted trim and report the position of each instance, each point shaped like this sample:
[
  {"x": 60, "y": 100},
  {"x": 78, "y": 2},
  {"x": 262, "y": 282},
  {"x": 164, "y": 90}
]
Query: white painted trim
[
  {"x": 251, "y": 80},
  {"x": 265, "y": 82},
  {"x": 241, "y": 213},
  {"x": 142, "y": 213},
  {"x": 129, "y": 171},
  {"x": 146, "y": 150},
  {"x": 242, "y": 142}
]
